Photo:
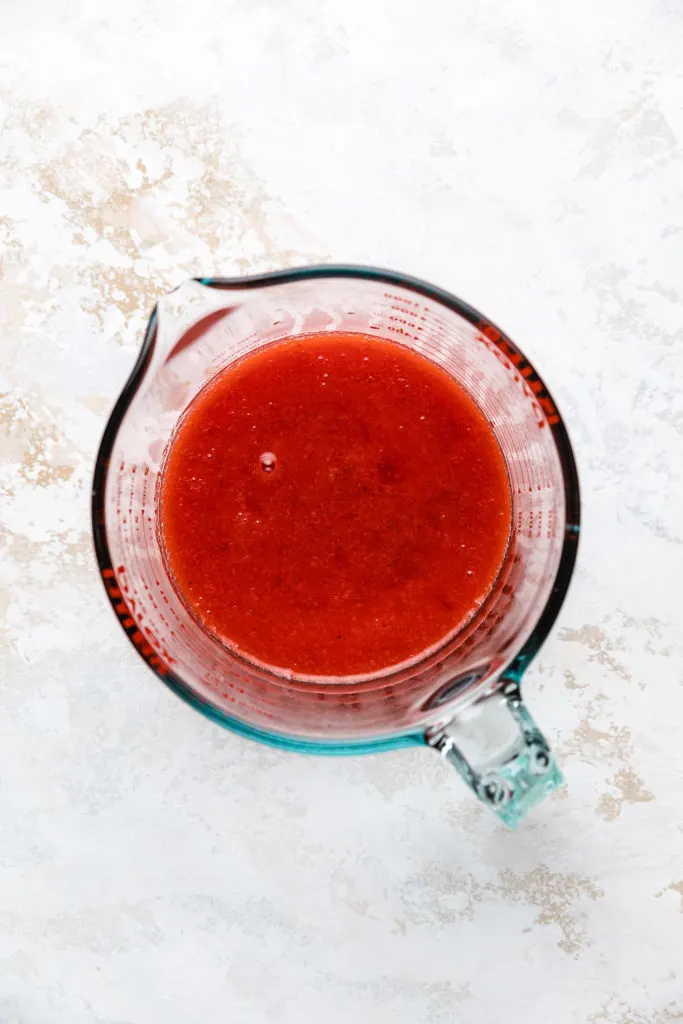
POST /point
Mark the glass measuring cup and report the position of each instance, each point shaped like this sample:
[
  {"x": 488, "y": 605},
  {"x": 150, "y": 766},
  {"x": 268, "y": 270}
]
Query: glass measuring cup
[{"x": 464, "y": 699}]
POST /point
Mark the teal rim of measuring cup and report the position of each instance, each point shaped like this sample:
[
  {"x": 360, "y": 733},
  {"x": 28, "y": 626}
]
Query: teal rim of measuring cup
[
  {"x": 297, "y": 744},
  {"x": 369, "y": 745}
]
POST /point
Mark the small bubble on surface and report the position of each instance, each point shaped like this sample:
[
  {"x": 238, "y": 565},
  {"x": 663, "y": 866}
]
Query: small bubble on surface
[{"x": 267, "y": 460}]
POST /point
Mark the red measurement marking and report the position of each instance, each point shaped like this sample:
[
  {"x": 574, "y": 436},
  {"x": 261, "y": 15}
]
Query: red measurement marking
[
  {"x": 533, "y": 386},
  {"x": 130, "y": 625}
]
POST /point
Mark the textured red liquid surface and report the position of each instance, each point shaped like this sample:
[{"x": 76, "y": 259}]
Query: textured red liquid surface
[{"x": 379, "y": 529}]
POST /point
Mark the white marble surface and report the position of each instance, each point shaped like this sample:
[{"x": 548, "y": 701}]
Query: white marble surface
[{"x": 526, "y": 155}]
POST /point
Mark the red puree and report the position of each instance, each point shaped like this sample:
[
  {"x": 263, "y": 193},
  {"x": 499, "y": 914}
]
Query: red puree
[{"x": 333, "y": 505}]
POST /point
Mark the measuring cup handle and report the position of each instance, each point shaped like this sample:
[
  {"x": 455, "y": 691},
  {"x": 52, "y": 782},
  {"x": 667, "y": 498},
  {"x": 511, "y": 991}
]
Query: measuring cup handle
[{"x": 500, "y": 752}]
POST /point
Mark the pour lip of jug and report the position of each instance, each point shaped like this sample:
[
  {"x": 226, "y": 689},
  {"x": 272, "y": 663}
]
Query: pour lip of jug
[{"x": 153, "y": 347}]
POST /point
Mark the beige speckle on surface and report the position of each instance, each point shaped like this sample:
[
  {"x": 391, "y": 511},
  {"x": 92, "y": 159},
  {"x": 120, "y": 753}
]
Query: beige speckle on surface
[
  {"x": 156, "y": 870},
  {"x": 676, "y": 887},
  {"x": 551, "y": 894},
  {"x": 614, "y": 1011},
  {"x": 630, "y": 790}
]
